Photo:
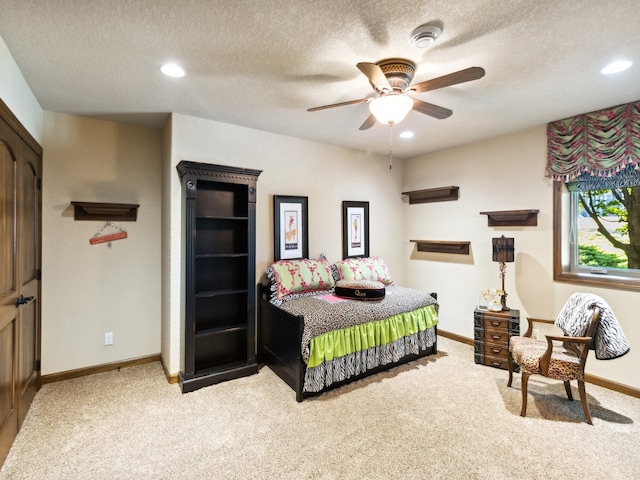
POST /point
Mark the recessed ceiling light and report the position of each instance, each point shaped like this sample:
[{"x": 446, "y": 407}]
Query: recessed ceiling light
[
  {"x": 172, "y": 70},
  {"x": 615, "y": 67},
  {"x": 406, "y": 134}
]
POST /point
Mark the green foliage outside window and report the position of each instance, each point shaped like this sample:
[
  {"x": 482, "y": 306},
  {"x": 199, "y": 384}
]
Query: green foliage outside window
[
  {"x": 592, "y": 256},
  {"x": 619, "y": 205}
]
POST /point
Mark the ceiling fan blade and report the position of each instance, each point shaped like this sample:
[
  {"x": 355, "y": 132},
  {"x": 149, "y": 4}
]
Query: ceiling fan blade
[
  {"x": 472, "y": 73},
  {"x": 375, "y": 75},
  {"x": 431, "y": 109},
  {"x": 350, "y": 102},
  {"x": 368, "y": 123}
]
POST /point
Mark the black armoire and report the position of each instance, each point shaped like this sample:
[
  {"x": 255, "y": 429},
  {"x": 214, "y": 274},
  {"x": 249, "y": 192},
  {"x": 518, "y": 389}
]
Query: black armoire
[{"x": 219, "y": 326}]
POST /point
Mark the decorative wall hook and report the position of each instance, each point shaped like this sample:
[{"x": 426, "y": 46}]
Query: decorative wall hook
[{"x": 101, "y": 237}]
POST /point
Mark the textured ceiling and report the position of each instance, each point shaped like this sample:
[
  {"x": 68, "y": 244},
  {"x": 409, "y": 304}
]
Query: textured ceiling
[{"x": 261, "y": 64}]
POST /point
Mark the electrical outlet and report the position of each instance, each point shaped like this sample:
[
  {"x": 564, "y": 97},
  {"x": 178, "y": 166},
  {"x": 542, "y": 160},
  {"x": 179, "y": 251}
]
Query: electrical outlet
[
  {"x": 535, "y": 334},
  {"x": 108, "y": 338}
]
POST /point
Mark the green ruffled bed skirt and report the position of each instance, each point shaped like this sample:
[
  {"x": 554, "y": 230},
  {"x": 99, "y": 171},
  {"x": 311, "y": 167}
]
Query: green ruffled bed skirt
[{"x": 337, "y": 355}]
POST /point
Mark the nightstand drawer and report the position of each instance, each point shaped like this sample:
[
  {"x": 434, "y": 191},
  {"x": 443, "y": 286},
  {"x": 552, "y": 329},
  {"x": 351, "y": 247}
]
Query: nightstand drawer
[
  {"x": 490, "y": 349},
  {"x": 496, "y": 323},
  {"x": 496, "y": 362},
  {"x": 496, "y": 336},
  {"x": 494, "y": 350}
]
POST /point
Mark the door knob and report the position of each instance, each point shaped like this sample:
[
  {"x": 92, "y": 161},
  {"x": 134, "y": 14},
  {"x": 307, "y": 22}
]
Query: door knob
[{"x": 21, "y": 300}]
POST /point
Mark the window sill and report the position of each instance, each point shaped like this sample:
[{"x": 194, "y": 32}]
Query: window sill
[{"x": 596, "y": 280}]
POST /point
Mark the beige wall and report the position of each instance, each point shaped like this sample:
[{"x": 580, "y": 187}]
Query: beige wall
[
  {"x": 325, "y": 174},
  {"x": 171, "y": 280},
  {"x": 505, "y": 173},
  {"x": 16, "y": 94},
  {"x": 88, "y": 290}
]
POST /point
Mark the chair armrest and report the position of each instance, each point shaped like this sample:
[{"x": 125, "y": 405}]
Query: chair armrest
[
  {"x": 562, "y": 338},
  {"x": 537, "y": 320},
  {"x": 546, "y": 356}
]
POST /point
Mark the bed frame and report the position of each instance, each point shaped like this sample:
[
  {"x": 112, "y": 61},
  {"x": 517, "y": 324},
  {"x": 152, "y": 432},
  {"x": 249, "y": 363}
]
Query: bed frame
[{"x": 279, "y": 340}]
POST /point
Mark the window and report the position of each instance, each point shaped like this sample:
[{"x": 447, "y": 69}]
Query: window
[
  {"x": 594, "y": 160},
  {"x": 595, "y": 238}
]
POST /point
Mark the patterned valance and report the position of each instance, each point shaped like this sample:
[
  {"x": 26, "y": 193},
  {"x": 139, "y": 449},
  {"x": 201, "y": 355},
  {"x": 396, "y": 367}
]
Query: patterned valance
[
  {"x": 627, "y": 177},
  {"x": 597, "y": 144}
]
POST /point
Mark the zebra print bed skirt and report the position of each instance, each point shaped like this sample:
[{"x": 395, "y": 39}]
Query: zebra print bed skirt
[{"x": 342, "y": 368}]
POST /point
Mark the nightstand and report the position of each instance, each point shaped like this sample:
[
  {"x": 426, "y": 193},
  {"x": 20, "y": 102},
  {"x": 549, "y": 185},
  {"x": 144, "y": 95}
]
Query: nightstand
[{"x": 491, "y": 331}]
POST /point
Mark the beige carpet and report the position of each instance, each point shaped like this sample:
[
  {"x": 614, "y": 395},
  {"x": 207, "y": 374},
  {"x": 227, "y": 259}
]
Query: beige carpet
[{"x": 440, "y": 417}]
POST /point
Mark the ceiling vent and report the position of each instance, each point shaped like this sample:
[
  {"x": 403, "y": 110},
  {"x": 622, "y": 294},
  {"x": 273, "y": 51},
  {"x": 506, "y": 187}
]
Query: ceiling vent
[{"x": 424, "y": 36}]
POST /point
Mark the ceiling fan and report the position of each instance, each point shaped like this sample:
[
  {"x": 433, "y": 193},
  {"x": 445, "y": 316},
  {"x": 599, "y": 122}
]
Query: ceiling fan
[{"x": 391, "y": 80}]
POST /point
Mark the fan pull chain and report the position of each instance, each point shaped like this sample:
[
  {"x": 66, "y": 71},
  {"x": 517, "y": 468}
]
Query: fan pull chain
[{"x": 390, "y": 145}]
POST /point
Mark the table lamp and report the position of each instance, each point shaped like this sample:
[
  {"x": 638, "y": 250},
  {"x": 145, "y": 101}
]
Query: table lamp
[{"x": 503, "y": 252}]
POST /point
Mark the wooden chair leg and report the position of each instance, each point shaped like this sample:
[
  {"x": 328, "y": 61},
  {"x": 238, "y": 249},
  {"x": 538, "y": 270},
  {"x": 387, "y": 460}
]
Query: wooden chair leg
[
  {"x": 525, "y": 381},
  {"x": 583, "y": 400},
  {"x": 510, "y": 364},
  {"x": 567, "y": 387}
]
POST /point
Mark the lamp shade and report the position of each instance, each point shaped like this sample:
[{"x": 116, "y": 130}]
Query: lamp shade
[
  {"x": 503, "y": 249},
  {"x": 391, "y": 109}
]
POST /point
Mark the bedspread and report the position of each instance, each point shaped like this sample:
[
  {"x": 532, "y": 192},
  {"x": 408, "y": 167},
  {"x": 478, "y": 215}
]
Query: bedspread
[{"x": 327, "y": 313}]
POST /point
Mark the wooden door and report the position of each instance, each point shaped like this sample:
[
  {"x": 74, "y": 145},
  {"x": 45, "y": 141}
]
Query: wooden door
[
  {"x": 28, "y": 249},
  {"x": 20, "y": 253}
]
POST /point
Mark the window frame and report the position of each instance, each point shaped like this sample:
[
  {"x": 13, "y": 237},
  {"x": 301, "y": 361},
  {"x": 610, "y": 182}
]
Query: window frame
[{"x": 561, "y": 251}]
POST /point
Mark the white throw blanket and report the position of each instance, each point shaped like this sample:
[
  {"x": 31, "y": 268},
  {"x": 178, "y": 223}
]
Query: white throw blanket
[{"x": 609, "y": 342}]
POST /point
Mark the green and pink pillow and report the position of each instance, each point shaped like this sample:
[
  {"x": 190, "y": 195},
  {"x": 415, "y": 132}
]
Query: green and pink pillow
[
  {"x": 363, "y": 268},
  {"x": 299, "y": 278}
]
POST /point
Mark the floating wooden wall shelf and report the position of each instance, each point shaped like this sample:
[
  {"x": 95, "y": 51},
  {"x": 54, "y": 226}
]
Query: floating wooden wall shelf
[
  {"x": 442, "y": 246},
  {"x": 122, "y": 212},
  {"x": 440, "y": 194},
  {"x": 512, "y": 218}
]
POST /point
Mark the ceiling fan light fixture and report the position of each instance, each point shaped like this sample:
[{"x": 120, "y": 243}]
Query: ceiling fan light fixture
[
  {"x": 424, "y": 36},
  {"x": 391, "y": 109}
]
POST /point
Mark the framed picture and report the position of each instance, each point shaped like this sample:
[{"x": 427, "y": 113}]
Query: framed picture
[
  {"x": 355, "y": 229},
  {"x": 291, "y": 228}
]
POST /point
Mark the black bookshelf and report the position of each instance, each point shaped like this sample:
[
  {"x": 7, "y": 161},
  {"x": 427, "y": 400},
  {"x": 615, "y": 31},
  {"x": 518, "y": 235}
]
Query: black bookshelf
[{"x": 219, "y": 327}]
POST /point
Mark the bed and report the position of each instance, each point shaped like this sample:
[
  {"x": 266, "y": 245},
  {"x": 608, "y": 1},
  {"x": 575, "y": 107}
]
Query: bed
[{"x": 315, "y": 340}]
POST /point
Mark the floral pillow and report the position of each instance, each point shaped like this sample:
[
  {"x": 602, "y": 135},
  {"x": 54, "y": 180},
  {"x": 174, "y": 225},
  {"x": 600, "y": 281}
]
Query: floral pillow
[
  {"x": 365, "y": 268},
  {"x": 299, "y": 278}
]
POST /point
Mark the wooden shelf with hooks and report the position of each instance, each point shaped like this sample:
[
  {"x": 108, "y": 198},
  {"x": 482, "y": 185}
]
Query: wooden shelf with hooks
[
  {"x": 440, "y": 194},
  {"x": 122, "y": 212},
  {"x": 442, "y": 246}
]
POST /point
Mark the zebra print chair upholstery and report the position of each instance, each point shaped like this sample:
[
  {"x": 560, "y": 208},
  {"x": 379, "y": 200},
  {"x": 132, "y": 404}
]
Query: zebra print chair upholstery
[{"x": 563, "y": 360}]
